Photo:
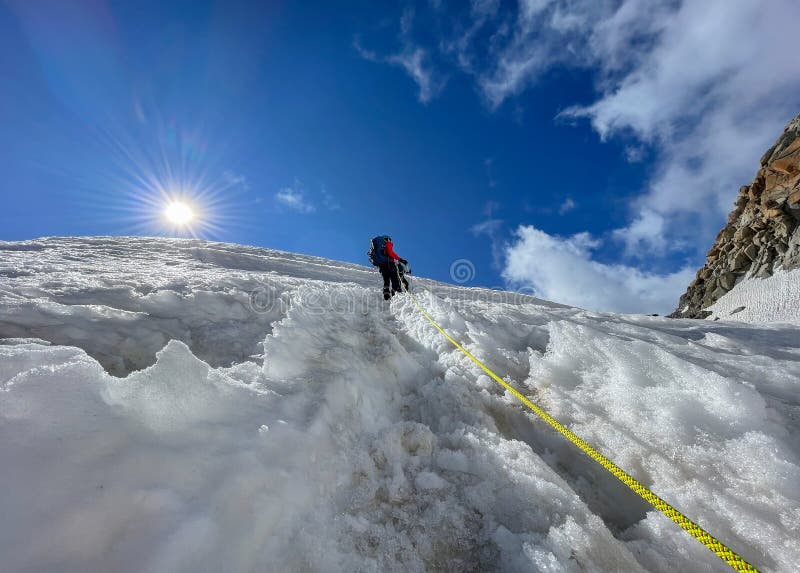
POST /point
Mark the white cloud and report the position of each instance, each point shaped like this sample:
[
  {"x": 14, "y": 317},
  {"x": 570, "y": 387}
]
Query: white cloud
[
  {"x": 412, "y": 58},
  {"x": 329, "y": 200},
  {"x": 490, "y": 207},
  {"x": 708, "y": 83},
  {"x": 703, "y": 86},
  {"x": 544, "y": 34},
  {"x": 634, "y": 153},
  {"x": 712, "y": 90},
  {"x": 563, "y": 270},
  {"x": 567, "y": 206},
  {"x": 460, "y": 44},
  {"x": 488, "y": 163},
  {"x": 368, "y": 55},
  {"x": 231, "y": 180},
  {"x": 488, "y": 227},
  {"x": 294, "y": 199},
  {"x": 645, "y": 233},
  {"x": 491, "y": 227}
]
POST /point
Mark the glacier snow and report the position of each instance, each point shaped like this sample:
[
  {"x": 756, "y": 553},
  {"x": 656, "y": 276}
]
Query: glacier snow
[{"x": 182, "y": 405}]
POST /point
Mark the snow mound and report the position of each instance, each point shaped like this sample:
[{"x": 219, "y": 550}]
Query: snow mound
[{"x": 176, "y": 405}]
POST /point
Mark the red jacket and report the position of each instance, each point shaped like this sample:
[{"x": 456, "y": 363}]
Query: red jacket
[{"x": 390, "y": 251}]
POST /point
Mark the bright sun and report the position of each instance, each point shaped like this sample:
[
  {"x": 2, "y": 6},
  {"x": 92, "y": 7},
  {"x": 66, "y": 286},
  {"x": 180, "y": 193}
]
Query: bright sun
[{"x": 179, "y": 213}]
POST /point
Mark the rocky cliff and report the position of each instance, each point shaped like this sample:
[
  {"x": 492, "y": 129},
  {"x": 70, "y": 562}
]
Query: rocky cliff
[{"x": 762, "y": 232}]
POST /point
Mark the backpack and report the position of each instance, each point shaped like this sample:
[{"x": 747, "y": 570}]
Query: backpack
[{"x": 377, "y": 251}]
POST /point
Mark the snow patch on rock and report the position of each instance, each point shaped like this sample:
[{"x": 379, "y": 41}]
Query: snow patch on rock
[{"x": 772, "y": 299}]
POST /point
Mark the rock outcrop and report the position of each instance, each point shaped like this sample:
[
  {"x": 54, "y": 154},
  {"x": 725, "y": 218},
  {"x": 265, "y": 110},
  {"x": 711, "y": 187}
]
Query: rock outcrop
[{"x": 762, "y": 232}]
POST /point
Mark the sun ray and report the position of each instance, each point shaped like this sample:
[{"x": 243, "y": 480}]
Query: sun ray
[{"x": 169, "y": 187}]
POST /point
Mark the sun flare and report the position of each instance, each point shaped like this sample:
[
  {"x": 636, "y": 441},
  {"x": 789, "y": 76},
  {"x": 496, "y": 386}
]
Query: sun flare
[
  {"x": 174, "y": 197},
  {"x": 179, "y": 213}
]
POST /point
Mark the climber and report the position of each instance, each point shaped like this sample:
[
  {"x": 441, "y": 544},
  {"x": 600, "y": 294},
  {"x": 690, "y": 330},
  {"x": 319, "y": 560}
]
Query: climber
[{"x": 392, "y": 267}]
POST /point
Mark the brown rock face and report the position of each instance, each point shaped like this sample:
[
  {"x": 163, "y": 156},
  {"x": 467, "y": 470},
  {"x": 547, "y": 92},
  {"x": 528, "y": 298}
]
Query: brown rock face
[{"x": 762, "y": 232}]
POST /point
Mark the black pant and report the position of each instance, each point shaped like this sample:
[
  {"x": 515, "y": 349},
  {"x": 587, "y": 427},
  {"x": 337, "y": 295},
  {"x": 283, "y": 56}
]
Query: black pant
[{"x": 392, "y": 274}]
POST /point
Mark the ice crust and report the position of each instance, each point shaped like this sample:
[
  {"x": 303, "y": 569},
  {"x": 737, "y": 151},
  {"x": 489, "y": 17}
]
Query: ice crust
[{"x": 156, "y": 416}]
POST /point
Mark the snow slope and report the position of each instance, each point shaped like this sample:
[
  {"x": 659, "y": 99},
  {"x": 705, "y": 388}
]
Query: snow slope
[
  {"x": 180, "y": 405},
  {"x": 773, "y": 299}
]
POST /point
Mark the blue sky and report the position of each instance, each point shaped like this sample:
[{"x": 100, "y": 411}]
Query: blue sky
[{"x": 587, "y": 151}]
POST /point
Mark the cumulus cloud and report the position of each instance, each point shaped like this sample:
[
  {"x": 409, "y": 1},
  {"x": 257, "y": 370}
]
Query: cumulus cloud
[
  {"x": 709, "y": 84},
  {"x": 712, "y": 91},
  {"x": 562, "y": 269},
  {"x": 294, "y": 199},
  {"x": 645, "y": 233},
  {"x": 705, "y": 86}
]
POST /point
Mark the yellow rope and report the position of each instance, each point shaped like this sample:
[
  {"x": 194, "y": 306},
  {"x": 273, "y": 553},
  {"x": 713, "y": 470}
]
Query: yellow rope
[{"x": 711, "y": 542}]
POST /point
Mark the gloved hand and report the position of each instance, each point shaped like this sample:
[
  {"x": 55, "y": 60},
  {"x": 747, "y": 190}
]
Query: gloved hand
[{"x": 405, "y": 262}]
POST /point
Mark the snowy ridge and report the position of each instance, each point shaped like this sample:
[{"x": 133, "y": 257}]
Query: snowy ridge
[{"x": 265, "y": 411}]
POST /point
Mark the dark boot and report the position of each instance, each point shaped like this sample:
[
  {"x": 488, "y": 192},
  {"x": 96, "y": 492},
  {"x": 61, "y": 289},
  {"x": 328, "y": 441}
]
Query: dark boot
[
  {"x": 386, "y": 273},
  {"x": 394, "y": 278}
]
